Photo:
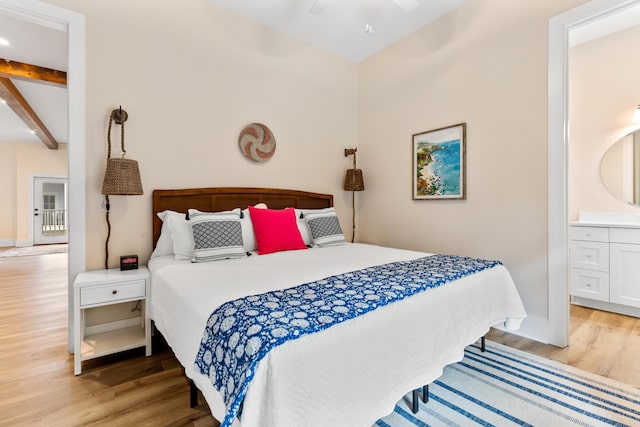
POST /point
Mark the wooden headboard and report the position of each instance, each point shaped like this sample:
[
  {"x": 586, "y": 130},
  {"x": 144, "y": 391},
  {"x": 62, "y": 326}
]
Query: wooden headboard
[{"x": 227, "y": 198}]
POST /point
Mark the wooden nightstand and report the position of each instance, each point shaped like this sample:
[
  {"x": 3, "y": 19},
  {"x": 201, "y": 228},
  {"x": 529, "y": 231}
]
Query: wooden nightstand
[{"x": 108, "y": 287}]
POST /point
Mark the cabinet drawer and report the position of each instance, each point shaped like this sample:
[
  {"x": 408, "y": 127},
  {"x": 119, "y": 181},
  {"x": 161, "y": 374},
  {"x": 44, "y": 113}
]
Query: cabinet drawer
[
  {"x": 114, "y": 292},
  {"x": 593, "y": 234},
  {"x": 590, "y": 284},
  {"x": 625, "y": 235},
  {"x": 590, "y": 255}
]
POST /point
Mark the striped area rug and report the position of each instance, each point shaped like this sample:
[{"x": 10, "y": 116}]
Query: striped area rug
[{"x": 507, "y": 387}]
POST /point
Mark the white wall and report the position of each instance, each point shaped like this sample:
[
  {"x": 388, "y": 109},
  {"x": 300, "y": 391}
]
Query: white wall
[
  {"x": 8, "y": 193},
  {"x": 191, "y": 75},
  {"x": 604, "y": 91},
  {"x": 19, "y": 162},
  {"x": 484, "y": 64},
  {"x": 188, "y": 93},
  {"x": 34, "y": 159}
]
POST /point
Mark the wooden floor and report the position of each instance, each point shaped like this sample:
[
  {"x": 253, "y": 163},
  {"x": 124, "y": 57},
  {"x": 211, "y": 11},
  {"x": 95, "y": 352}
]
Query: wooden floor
[
  {"x": 37, "y": 385},
  {"x": 604, "y": 343}
]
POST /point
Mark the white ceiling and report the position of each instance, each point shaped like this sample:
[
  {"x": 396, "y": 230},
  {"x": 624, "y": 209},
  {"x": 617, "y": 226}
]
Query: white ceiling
[
  {"x": 621, "y": 20},
  {"x": 36, "y": 44},
  {"x": 340, "y": 28}
]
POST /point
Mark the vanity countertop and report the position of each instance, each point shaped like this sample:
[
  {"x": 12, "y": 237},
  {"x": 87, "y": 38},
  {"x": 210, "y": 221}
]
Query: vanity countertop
[
  {"x": 605, "y": 224},
  {"x": 607, "y": 219}
]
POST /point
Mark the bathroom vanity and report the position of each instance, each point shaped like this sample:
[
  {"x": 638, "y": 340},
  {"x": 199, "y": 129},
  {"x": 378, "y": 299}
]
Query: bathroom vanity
[{"x": 605, "y": 261}]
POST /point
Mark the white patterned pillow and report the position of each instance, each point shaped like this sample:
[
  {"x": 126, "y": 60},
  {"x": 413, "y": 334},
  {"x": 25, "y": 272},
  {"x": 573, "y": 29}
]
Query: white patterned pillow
[
  {"x": 248, "y": 235},
  {"x": 216, "y": 235},
  {"x": 302, "y": 224},
  {"x": 182, "y": 236},
  {"x": 164, "y": 245},
  {"x": 324, "y": 227}
]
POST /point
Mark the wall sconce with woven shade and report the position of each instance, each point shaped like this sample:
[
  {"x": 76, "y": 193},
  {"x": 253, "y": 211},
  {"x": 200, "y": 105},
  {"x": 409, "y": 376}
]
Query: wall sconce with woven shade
[
  {"x": 353, "y": 181},
  {"x": 122, "y": 176}
]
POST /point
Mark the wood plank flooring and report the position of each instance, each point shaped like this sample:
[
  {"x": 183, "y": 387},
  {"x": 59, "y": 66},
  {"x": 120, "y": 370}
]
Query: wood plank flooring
[
  {"x": 37, "y": 385},
  {"x": 604, "y": 343}
]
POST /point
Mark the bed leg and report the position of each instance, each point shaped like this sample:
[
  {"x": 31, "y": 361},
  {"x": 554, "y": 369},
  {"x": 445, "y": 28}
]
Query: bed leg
[
  {"x": 193, "y": 394},
  {"x": 414, "y": 403},
  {"x": 483, "y": 346},
  {"x": 425, "y": 393}
]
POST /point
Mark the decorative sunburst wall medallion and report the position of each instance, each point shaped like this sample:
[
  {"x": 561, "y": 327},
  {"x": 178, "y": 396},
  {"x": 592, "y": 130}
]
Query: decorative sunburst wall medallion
[{"x": 257, "y": 142}]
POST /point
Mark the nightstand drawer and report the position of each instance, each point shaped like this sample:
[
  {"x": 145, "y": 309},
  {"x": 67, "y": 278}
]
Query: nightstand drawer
[{"x": 114, "y": 292}]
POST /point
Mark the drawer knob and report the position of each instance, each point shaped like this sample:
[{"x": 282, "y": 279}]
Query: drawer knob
[
  {"x": 588, "y": 234},
  {"x": 115, "y": 291}
]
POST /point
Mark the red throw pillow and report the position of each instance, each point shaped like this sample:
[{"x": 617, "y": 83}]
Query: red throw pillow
[{"x": 276, "y": 230}]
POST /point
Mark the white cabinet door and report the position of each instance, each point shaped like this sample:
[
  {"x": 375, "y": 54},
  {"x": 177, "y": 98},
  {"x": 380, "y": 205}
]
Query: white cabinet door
[{"x": 625, "y": 274}]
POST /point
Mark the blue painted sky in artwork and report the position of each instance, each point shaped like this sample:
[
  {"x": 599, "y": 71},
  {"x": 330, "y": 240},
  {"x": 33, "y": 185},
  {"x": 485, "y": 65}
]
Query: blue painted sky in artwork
[{"x": 446, "y": 164}]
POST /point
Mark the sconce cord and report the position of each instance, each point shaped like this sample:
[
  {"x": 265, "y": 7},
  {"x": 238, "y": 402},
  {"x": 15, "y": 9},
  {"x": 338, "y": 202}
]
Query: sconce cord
[
  {"x": 353, "y": 204},
  {"x": 119, "y": 116},
  {"x": 349, "y": 152},
  {"x": 106, "y": 243},
  {"x": 353, "y": 216}
]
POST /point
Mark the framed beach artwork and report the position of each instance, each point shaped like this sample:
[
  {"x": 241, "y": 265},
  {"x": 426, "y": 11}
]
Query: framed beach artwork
[{"x": 439, "y": 163}]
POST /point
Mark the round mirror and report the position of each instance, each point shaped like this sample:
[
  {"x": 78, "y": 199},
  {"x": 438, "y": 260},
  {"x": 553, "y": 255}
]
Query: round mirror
[{"x": 620, "y": 168}]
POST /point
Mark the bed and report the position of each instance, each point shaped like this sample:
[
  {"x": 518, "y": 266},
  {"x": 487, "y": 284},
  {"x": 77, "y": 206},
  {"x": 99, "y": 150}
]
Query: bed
[{"x": 350, "y": 374}]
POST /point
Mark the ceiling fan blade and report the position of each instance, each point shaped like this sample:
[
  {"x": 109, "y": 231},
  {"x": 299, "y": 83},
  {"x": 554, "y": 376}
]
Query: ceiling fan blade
[
  {"x": 406, "y": 5},
  {"x": 319, "y": 6}
]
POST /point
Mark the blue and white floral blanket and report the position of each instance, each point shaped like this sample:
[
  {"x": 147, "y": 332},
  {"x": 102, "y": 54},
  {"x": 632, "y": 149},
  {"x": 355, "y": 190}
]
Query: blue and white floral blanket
[{"x": 240, "y": 333}]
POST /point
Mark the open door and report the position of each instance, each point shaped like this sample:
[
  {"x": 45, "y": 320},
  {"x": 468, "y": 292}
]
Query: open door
[{"x": 50, "y": 217}]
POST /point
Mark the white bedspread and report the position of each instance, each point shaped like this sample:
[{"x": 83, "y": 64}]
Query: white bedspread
[{"x": 350, "y": 374}]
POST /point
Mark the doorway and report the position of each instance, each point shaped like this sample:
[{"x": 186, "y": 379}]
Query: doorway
[
  {"x": 75, "y": 25},
  {"x": 558, "y": 129},
  {"x": 50, "y": 217}
]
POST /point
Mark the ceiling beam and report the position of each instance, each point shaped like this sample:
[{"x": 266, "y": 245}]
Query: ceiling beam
[
  {"x": 14, "y": 99},
  {"x": 33, "y": 73}
]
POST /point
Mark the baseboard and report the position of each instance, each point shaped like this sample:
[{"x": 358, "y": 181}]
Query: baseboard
[
  {"x": 606, "y": 306},
  {"x": 7, "y": 242},
  {"x": 23, "y": 243},
  {"x": 533, "y": 328}
]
